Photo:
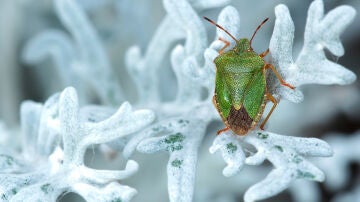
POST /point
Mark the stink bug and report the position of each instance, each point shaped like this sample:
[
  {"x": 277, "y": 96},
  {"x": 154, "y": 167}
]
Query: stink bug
[{"x": 240, "y": 86}]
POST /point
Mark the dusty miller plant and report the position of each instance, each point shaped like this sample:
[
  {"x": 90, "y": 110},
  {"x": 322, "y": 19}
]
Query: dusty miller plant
[
  {"x": 311, "y": 66},
  {"x": 342, "y": 159},
  {"x": 58, "y": 132}
]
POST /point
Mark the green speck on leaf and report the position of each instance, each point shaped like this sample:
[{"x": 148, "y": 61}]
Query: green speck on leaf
[
  {"x": 176, "y": 148},
  {"x": 302, "y": 174},
  {"x": 178, "y": 137},
  {"x": 183, "y": 121},
  {"x": 231, "y": 147},
  {"x": 279, "y": 148},
  {"x": 46, "y": 188},
  {"x": 263, "y": 135},
  {"x": 297, "y": 159},
  {"x": 174, "y": 142},
  {"x": 177, "y": 163},
  {"x": 13, "y": 191},
  {"x": 26, "y": 182},
  {"x": 116, "y": 200}
]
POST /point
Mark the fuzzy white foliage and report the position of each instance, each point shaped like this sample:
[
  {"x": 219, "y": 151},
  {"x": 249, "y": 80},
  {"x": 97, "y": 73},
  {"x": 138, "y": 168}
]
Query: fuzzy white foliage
[
  {"x": 311, "y": 66},
  {"x": 181, "y": 134},
  {"x": 338, "y": 175},
  {"x": 180, "y": 22},
  {"x": 81, "y": 61},
  {"x": 205, "y": 75},
  {"x": 229, "y": 19},
  {"x": 61, "y": 169},
  {"x": 181, "y": 123},
  {"x": 229, "y": 146},
  {"x": 182, "y": 144},
  {"x": 284, "y": 152},
  {"x": 186, "y": 62}
]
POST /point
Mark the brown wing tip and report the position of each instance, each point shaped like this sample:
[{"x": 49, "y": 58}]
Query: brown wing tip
[{"x": 239, "y": 121}]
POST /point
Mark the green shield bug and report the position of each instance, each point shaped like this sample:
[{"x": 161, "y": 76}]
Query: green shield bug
[{"x": 240, "y": 85}]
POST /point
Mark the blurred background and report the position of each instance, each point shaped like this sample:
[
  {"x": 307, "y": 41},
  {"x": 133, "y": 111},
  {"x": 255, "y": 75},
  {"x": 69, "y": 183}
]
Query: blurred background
[{"x": 330, "y": 112}]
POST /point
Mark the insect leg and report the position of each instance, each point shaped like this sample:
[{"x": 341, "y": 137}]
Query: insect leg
[
  {"x": 278, "y": 76},
  {"x": 264, "y": 53},
  {"x": 273, "y": 100},
  {"x": 222, "y": 130},
  {"x": 227, "y": 43}
]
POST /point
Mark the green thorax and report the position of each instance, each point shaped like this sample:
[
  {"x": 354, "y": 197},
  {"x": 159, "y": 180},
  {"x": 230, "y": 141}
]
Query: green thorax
[{"x": 240, "y": 79}]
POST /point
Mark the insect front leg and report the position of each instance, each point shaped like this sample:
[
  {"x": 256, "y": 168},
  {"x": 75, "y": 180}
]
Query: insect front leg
[
  {"x": 263, "y": 54},
  {"x": 227, "y": 43},
  {"x": 273, "y": 100},
  {"x": 282, "y": 82}
]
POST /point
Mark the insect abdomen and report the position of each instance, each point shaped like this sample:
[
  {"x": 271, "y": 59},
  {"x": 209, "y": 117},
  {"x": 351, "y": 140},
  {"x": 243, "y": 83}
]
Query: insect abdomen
[{"x": 239, "y": 121}]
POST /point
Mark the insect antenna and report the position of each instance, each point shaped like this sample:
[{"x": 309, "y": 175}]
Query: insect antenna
[
  {"x": 217, "y": 25},
  {"x": 257, "y": 29}
]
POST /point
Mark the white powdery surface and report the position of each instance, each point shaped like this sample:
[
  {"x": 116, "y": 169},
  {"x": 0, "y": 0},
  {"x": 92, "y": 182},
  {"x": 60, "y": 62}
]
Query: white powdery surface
[
  {"x": 336, "y": 168},
  {"x": 311, "y": 66},
  {"x": 54, "y": 168},
  {"x": 346, "y": 151},
  {"x": 182, "y": 144},
  {"x": 80, "y": 60},
  {"x": 284, "y": 152},
  {"x": 183, "y": 121},
  {"x": 182, "y": 134},
  {"x": 181, "y": 22}
]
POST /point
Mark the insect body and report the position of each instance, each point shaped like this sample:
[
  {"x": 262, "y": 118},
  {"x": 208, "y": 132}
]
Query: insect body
[{"x": 240, "y": 86}]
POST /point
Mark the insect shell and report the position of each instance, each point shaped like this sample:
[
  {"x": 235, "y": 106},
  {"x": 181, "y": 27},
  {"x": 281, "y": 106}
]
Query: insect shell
[{"x": 240, "y": 86}]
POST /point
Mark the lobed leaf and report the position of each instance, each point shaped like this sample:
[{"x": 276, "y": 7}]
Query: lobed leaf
[
  {"x": 231, "y": 151},
  {"x": 284, "y": 152},
  {"x": 311, "y": 65}
]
